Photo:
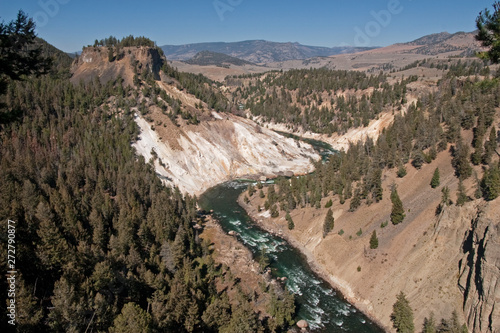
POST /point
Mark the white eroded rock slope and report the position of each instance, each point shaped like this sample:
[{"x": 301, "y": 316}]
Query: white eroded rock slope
[{"x": 223, "y": 149}]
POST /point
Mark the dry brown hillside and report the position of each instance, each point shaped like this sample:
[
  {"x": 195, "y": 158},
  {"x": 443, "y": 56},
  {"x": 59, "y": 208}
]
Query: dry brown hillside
[{"x": 423, "y": 257}]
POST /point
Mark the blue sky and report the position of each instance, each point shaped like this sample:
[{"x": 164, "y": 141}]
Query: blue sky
[{"x": 71, "y": 24}]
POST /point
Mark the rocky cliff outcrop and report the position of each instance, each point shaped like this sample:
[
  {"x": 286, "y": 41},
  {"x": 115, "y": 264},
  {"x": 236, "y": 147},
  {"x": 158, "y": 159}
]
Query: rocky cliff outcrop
[
  {"x": 125, "y": 62},
  {"x": 192, "y": 157},
  {"x": 480, "y": 270},
  {"x": 221, "y": 149}
]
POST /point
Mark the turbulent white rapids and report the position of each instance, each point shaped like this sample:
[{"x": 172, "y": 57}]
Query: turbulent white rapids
[{"x": 317, "y": 302}]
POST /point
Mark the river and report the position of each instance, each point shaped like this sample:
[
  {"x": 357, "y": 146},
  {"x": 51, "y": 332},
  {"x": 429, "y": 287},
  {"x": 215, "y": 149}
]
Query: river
[{"x": 317, "y": 302}]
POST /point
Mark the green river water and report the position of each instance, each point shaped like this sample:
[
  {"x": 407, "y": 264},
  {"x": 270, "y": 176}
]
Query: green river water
[{"x": 317, "y": 302}]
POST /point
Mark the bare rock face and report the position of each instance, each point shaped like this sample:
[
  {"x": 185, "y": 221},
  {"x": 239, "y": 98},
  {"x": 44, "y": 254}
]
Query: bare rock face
[
  {"x": 302, "y": 324},
  {"x": 126, "y": 62},
  {"x": 222, "y": 149},
  {"x": 480, "y": 271}
]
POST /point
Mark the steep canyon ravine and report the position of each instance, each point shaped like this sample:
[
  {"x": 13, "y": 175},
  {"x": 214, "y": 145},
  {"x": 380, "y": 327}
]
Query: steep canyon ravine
[{"x": 317, "y": 302}]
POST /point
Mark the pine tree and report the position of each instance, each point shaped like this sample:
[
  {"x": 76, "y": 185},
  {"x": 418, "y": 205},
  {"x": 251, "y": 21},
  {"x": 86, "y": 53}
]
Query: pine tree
[
  {"x": 429, "y": 324},
  {"x": 18, "y": 57},
  {"x": 274, "y": 211},
  {"x": 398, "y": 212},
  {"x": 462, "y": 197},
  {"x": 418, "y": 160},
  {"x": 402, "y": 315},
  {"x": 288, "y": 218},
  {"x": 374, "y": 240},
  {"x": 251, "y": 189},
  {"x": 328, "y": 223},
  {"x": 29, "y": 311},
  {"x": 263, "y": 259},
  {"x": 401, "y": 171},
  {"x": 111, "y": 56},
  {"x": 490, "y": 146},
  {"x": 460, "y": 161},
  {"x": 488, "y": 25},
  {"x": 355, "y": 201},
  {"x": 445, "y": 196},
  {"x": 377, "y": 190},
  {"x": 477, "y": 155},
  {"x": 435, "y": 179},
  {"x": 217, "y": 313},
  {"x": 490, "y": 183},
  {"x": 132, "y": 319}
]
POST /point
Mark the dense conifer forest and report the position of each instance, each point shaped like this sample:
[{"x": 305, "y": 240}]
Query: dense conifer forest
[
  {"x": 101, "y": 244},
  {"x": 318, "y": 100},
  {"x": 433, "y": 124}
]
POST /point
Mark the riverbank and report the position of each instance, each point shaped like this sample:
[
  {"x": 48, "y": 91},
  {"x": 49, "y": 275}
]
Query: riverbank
[
  {"x": 242, "y": 273},
  {"x": 420, "y": 257},
  {"x": 338, "y": 141},
  {"x": 338, "y": 284},
  {"x": 317, "y": 302}
]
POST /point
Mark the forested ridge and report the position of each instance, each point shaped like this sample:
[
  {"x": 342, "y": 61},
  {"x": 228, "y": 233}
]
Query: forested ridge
[
  {"x": 436, "y": 122},
  {"x": 101, "y": 243},
  {"x": 459, "y": 120},
  {"x": 330, "y": 101},
  {"x": 319, "y": 100}
]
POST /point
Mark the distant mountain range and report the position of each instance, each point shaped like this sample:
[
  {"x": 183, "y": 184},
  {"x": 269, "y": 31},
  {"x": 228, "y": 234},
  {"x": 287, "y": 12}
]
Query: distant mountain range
[
  {"x": 227, "y": 59},
  {"x": 258, "y": 51},
  {"x": 462, "y": 42}
]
